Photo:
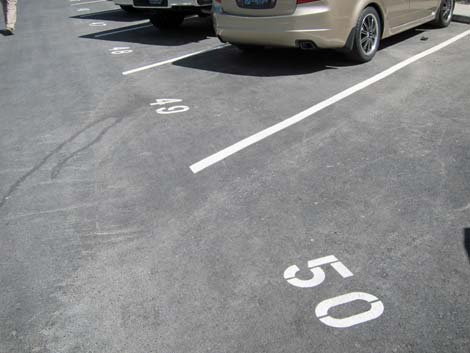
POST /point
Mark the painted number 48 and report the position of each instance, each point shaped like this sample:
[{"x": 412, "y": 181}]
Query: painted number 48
[
  {"x": 120, "y": 50},
  {"x": 321, "y": 311},
  {"x": 169, "y": 110}
]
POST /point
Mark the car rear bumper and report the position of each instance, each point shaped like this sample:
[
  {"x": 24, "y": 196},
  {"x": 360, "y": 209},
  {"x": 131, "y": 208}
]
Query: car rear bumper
[
  {"x": 307, "y": 23},
  {"x": 167, "y": 4}
]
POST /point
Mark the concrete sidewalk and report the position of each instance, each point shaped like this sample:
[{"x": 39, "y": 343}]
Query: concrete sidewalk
[{"x": 462, "y": 12}]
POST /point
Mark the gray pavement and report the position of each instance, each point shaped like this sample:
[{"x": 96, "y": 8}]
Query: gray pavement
[{"x": 109, "y": 243}]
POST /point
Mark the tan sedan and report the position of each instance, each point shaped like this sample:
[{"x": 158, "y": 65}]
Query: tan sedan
[{"x": 356, "y": 26}]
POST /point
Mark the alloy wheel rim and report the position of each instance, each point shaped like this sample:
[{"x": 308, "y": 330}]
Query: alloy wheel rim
[
  {"x": 446, "y": 9},
  {"x": 369, "y": 33}
]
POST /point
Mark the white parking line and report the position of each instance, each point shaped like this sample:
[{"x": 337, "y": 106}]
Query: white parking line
[
  {"x": 226, "y": 152},
  {"x": 88, "y": 2},
  {"x": 124, "y": 30},
  {"x": 169, "y": 61},
  {"x": 102, "y": 12}
]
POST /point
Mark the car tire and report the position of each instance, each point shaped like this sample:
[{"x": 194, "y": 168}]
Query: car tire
[
  {"x": 444, "y": 13},
  {"x": 128, "y": 8},
  {"x": 168, "y": 20},
  {"x": 367, "y": 35}
]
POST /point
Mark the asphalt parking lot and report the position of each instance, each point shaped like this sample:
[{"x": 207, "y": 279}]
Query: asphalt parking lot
[{"x": 155, "y": 187}]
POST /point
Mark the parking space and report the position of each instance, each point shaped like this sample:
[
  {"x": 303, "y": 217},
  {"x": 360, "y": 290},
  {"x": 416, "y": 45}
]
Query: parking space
[{"x": 165, "y": 192}]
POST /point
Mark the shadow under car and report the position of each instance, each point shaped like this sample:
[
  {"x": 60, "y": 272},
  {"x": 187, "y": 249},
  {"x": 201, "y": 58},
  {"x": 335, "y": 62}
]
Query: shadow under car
[
  {"x": 278, "y": 61},
  {"x": 193, "y": 30},
  {"x": 117, "y": 15}
]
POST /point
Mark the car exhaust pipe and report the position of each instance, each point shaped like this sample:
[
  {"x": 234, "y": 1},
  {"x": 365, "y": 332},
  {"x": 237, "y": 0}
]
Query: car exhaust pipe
[{"x": 306, "y": 45}]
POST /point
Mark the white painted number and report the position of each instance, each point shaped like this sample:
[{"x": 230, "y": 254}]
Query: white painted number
[
  {"x": 376, "y": 309},
  {"x": 120, "y": 50},
  {"x": 169, "y": 110},
  {"x": 318, "y": 273},
  {"x": 173, "y": 110},
  {"x": 321, "y": 311},
  {"x": 164, "y": 101}
]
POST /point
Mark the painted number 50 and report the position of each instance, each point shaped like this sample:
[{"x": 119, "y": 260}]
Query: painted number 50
[{"x": 321, "y": 311}]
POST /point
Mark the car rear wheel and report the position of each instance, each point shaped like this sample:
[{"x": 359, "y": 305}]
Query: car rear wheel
[
  {"x": 168, "y": 20},
  {"x": 444, "y": 13},
  {"x": 367, "y": 36}
]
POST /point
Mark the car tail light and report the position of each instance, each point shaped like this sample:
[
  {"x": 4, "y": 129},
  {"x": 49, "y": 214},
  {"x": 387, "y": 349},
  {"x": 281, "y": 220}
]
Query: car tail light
[{"x": 303, "y": 1}]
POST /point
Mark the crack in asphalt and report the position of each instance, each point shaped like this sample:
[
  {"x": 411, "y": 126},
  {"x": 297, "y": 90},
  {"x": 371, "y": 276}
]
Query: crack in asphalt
[{"x": 56, "y": 170}]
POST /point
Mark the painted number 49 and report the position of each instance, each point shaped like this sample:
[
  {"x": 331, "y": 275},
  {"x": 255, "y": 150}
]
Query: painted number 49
[
  {"x": 169, "y": 110},
  {"x": 321, "y": 311}
]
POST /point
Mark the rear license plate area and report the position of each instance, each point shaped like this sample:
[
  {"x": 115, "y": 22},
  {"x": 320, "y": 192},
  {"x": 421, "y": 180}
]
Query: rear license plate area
[
  {"x": 150, "y": 3},
  {"x": 256, "y": 4}
]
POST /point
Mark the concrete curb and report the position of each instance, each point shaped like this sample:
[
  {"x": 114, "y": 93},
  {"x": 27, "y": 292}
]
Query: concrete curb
[
  {"x": 462, "y": 12},
  {"x": 461, "y": 19}
]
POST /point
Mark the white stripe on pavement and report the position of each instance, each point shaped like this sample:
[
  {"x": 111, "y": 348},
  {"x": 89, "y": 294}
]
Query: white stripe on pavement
[
  {"x": 226, "y": 152},
  {"x": 88, "y": 2},
  {"x": 101, "y": 12},
  {"x": 169, "y": 61},
  {"x": 123, "y": 30}
]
